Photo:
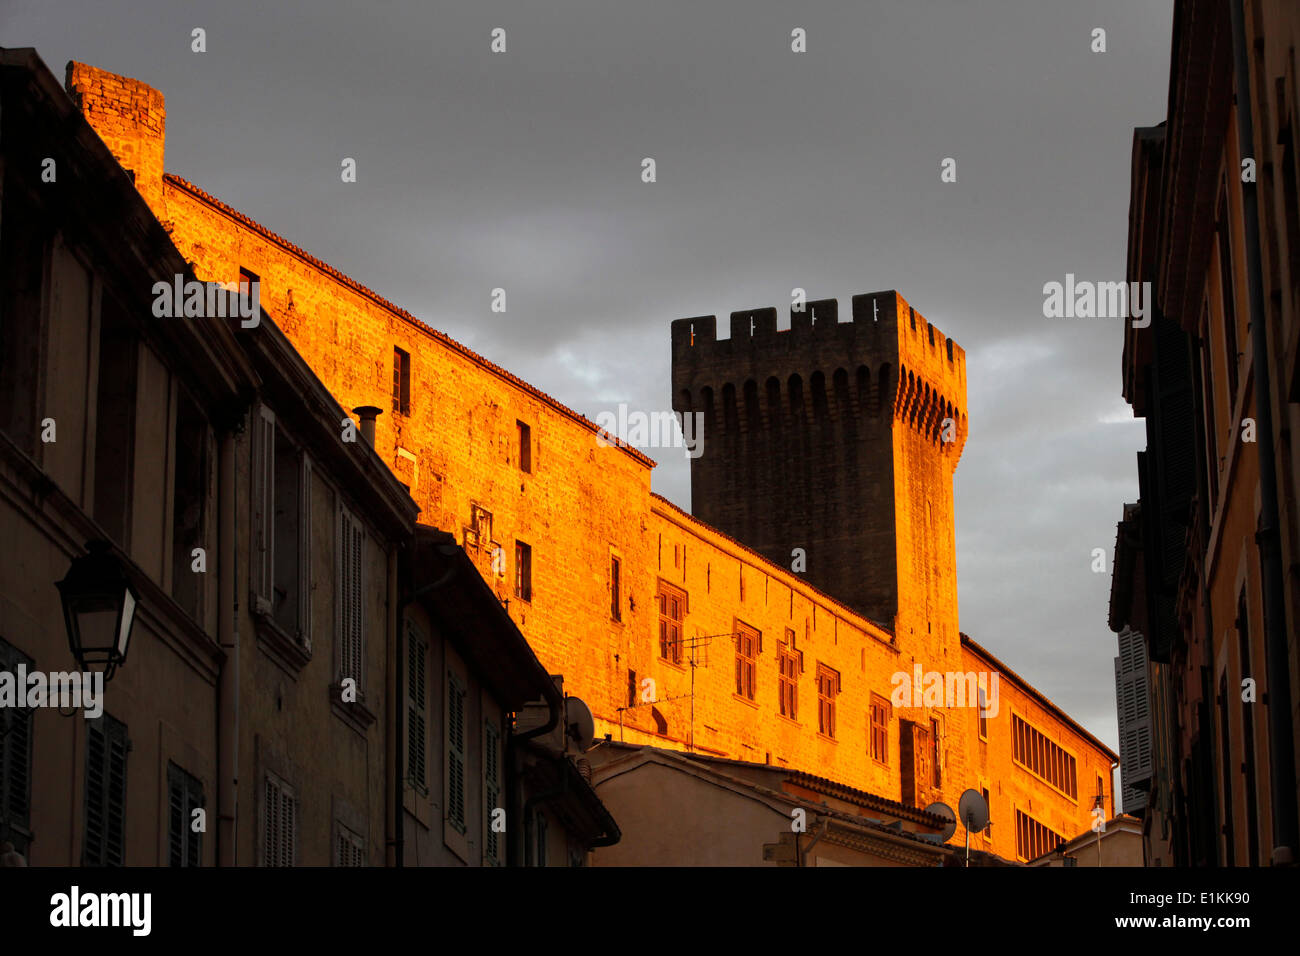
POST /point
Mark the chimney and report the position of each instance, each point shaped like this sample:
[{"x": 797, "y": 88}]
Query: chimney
[
  {"x": 367, "y": 414},
  {"x": 131, "y": 118}
]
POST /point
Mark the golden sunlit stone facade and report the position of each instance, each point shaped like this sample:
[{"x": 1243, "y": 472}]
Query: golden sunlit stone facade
[{"x": 674, "y": 633}]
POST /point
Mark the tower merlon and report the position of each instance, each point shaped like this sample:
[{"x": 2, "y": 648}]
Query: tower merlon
[{"x": 887, "y": 338}]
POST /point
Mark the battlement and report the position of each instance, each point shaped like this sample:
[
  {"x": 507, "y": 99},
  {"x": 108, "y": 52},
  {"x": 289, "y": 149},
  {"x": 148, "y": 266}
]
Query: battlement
[
  {"x": 887, "y": 357},
  {"x": 130, "y": 117}
]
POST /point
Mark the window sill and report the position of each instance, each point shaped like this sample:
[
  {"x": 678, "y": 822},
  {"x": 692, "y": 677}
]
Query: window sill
[
  {"x": 355, "y": 714},
  {"x": 790, "y": 720},
  {"x": 827, "y": 737},
  {"x": 290, "y": 653},
  {"x": 745, "y": 700}
]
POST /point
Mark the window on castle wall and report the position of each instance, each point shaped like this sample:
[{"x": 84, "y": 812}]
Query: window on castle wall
[
  {"x": 828, "y": 689},
  {"x": 615, "y": 586},
  {"x": 401, "y": 381},
  {"x": 936, "y": 754},
  {"x": 747, "y": 647},
  {"x": 879, "y": 729},
  {"x": 525, "y": 447},
  {"x": 788, "y": 668},
  {"x": 246, "y": 280},
  {"x": 983, "y": 720},
  {"x": 672, "y": 612},
  {"x": 523, "y": 571}
]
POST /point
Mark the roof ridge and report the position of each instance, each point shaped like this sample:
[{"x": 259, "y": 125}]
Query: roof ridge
[{"x": 401, "y": 313}]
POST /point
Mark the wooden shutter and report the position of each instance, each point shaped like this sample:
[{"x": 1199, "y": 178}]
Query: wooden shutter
[
  {"x": 263, "y": 505},
  {"x": 1134, "y": 718},
  {"x": 105, "y": 809},
  {"x": 271, "y": 829},
  {"x": 15, "y": 759},
  {"x": 491, "y": 787},
  {"x": 351, "y": 599},
  {"x": 184, "y": 796},
  {"x": 350, "y": 848},
  {"x": 289, "y": 827},
  {"x": 305, "y": 557},
  {"x": 455, "y": 753},
  {"x": 416, "y": 707},
  {"x": 280, "y": 834}
]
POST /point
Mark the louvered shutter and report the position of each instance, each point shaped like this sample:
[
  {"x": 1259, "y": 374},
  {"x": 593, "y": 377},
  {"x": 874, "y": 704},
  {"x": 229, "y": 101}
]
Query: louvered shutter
[
  {"x": 184, "y": 796},
  {"x": 288, "y": 828},
  {"x": 175, "y": 821},
  {"x": 93, "y": 836},
  {"x": 1134, "y": 706},
  {"x": 15, "y": 759},
  {"x": 416, "y": 707},
  {"x": 351, "y": 599},
  {"x": 491, "y": 786},
  {"x": 455, "y": 753},
  {"x": 271, "y": 810},
  {"x": 104, "y": 839},
  {"x": 305, "y": 561},
  {"x": 264, "y": 504}
]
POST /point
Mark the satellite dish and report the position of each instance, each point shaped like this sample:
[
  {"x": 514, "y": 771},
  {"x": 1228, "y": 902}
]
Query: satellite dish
[
  {"x": 578, "y": 723},
  {"x": 949, "y": 818},
  {"x": 972, "y": 809}
]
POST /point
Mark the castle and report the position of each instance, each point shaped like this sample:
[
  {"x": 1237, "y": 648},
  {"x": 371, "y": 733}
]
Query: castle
[{"x": 767, "y": 627}]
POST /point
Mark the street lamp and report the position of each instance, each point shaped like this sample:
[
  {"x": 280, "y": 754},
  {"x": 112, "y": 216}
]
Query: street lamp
[{"x": 98, "y": 609}]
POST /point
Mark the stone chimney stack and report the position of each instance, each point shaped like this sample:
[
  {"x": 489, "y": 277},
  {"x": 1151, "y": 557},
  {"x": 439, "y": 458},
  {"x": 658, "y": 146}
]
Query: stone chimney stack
[
  {"x": 130, "y": 117},
  {"x": 368, "y": 414}
]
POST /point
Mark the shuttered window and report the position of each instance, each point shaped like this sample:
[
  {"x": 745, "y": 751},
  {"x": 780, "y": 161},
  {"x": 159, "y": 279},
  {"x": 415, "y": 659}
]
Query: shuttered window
[
  {"x": 349, "y": 848},
  {"x": 491, "y": 789},
  {"x": 351, "y": 601},
  {"x": 455, "y": 752},
  {"x": 263, "y": 506},
  {"x": 1032, "y": 838},
  {"x": 280, "y": 823},
  {"x": 184, "y": 796},
  {"x": 15, "y": 760},
  {"x": 1134, "y": 705},
  {"x": 416, "y": 709},
  {"x": 1042, "y": 757},
  {"x": 281, "y": 534},
  {"x": 105, "y": 811}
]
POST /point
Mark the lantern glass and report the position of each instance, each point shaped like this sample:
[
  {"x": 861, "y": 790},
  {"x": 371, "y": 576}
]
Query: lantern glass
[
  {"x": 99, "y": 607},
  {"x": 96, "y": 621}
]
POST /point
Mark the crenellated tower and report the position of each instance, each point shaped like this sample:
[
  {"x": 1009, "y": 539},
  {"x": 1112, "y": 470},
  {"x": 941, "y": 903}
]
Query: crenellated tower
[{"x": 838, "y": 438}]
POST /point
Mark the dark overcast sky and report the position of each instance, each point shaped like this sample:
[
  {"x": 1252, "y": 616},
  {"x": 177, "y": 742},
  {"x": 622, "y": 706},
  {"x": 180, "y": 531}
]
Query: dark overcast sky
[{"x": 775, "y": 170}]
